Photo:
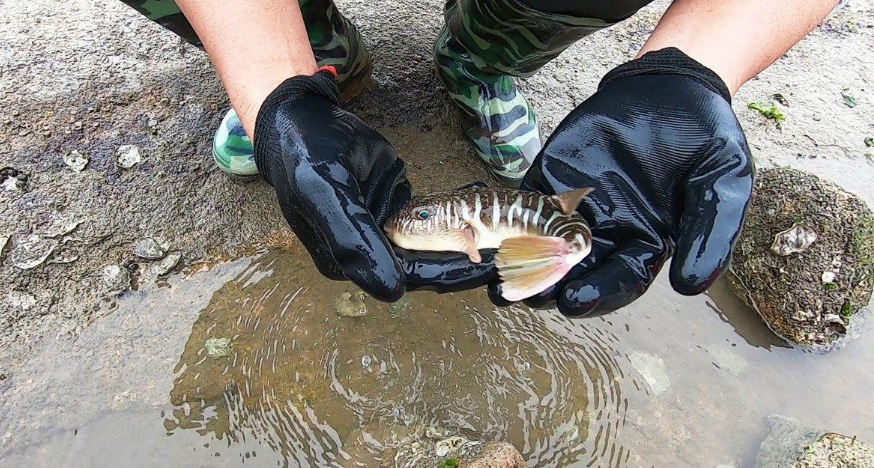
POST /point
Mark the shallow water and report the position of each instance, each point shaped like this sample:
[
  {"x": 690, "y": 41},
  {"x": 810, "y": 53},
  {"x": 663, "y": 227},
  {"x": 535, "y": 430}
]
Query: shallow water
[{"x": 668, "y": 381}]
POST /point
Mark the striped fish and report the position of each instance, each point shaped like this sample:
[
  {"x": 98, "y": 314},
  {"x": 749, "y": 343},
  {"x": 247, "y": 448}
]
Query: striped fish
[{"x": 539, "y": 237}]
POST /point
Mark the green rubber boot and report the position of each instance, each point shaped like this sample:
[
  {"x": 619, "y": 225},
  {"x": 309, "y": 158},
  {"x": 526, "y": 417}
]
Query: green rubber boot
[
  {"x": 335, "y": 42},
  {"x": 482, "y": 46}
]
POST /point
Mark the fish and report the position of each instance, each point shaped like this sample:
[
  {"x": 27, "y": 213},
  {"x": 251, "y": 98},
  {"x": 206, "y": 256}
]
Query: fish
[{"x": 539, "y": 237}]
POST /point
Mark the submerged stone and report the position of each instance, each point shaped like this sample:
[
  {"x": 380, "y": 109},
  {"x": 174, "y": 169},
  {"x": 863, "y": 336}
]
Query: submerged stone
[
  {"x": 652, "y": 369},
  {"x": 806, "y": 291},
  {"x": 790, "y": 445},
  {"x": 217, "y": 347},
  {"x": 351, "y": 304},
  {"x": 436, "y": 447}
]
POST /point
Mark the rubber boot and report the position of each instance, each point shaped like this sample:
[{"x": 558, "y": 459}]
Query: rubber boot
[
  {"x": 336, "y": 42},
  {"x": 482, "y": 46}
]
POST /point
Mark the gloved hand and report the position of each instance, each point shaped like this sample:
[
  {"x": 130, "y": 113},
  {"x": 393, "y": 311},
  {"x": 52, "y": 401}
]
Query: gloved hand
[
  {"x": 672, "y": 173},
  {"x": 337, "y": 181}
]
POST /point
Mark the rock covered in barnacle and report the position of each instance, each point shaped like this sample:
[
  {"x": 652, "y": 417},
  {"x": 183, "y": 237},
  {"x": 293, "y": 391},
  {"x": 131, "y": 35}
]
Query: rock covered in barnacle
[{"x": 807, "y": 289}]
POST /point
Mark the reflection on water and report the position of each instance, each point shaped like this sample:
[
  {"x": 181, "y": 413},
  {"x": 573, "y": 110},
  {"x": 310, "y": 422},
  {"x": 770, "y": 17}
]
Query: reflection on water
[{"x": 304, "y": 381}]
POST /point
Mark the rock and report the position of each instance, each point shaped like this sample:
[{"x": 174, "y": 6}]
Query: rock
[
  {"x": 151, "y": 249},
  {"x": 32, "y": 252},
  {"x": 168, "y": 263},
  {"x": 437, "y": 447},
  {"x": 76, "y": 160},
  {"x": 652, "y": 369},
  {"x": 217, "y": 347},
  {"x": 3, "y": 241},
  {"x": 115, "y": 280},
  {"x": 127, "y": 156},
  {"x": 351, "y": 304},
  {"x": 791, "y": 293},
  {"x": 498, "y": 455},
  {"x": 790, "y": 445}
]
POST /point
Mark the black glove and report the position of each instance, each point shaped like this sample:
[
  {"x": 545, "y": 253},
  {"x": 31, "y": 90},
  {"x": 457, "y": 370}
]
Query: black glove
[
  {"x": 671, "y": 169},
  {"x": 337, "y": 181}
]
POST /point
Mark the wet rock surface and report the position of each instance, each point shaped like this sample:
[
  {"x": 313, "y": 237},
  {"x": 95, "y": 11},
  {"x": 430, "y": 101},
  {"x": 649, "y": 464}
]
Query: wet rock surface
[
  {"x": 791, "y": 445},
  {"x": 808, "y": 295},
  {"x": 110, "y": 77}
]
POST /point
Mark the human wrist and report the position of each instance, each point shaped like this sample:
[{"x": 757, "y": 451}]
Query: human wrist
[{"x": 247, "y": 98}]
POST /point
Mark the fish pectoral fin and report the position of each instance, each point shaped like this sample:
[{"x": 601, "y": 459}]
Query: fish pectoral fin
[
  {"x": 530, "y": 264},
  {"x": 569, "y": 201},
  {"x": 466, "y": 238}
]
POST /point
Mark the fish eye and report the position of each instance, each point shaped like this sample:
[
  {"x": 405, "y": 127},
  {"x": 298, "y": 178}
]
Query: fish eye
[{"x": 423, "y": 213}]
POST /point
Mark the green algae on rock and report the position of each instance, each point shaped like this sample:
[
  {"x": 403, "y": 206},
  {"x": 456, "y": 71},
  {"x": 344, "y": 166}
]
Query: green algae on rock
[{"x": 788, "y": 289}]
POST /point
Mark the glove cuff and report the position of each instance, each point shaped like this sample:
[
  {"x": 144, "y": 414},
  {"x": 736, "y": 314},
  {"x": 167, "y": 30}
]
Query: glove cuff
[
  {"x": 266, "y": 132},
  {"x": 669, "y": 61}
]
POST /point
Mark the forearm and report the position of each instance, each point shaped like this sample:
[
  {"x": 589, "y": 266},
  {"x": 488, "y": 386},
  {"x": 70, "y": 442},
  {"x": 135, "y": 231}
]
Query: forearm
[
  {"x": 737, "y": 39},
  {"x": 254, "y": 44}
]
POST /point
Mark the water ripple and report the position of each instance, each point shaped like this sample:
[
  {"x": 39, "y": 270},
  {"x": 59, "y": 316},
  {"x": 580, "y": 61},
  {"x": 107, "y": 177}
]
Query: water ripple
[{"x": 329, "y": 391}]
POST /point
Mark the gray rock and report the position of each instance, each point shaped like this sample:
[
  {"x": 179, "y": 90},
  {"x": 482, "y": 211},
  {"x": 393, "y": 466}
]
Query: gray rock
[
  {"x": 76, "y": 160},
  {"x": 127, "y": 156},
  {"x": 151, "y": 249},
  {"x": 32, "y": 252},
  {"x": 168, "y": 263},
  {"x": 652, "y": 369},
  {"x": 790, "y": 290},
  {"x": 115, "y": 280}
]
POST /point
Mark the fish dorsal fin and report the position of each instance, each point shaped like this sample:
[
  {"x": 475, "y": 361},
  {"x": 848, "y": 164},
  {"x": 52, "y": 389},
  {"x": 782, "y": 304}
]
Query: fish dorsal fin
[
  {"x": 466, "y": 239},
  {"x": 569, "y": 201}
]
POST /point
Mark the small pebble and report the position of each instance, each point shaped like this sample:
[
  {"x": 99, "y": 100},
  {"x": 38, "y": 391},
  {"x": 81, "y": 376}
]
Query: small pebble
[
  {"x": 366, "y": 360},
  {"x": 115, "y": 280},
  {"x": 150, "y": 249},
  {"x": 76, "y": 160},
  {"x": 127, "y": 156}
]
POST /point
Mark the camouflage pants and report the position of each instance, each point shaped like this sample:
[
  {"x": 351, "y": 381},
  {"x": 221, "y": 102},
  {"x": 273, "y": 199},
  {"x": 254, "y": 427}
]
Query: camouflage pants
[{"x": 167, "y": 13}]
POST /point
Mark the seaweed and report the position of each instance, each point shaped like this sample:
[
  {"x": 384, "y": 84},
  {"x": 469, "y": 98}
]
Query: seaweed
[{"x": 769, "y": 110}]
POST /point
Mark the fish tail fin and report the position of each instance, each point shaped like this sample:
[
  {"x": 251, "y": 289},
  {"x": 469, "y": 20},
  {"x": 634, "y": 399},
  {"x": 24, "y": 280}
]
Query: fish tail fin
[{"x": 530, "y": 264}]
